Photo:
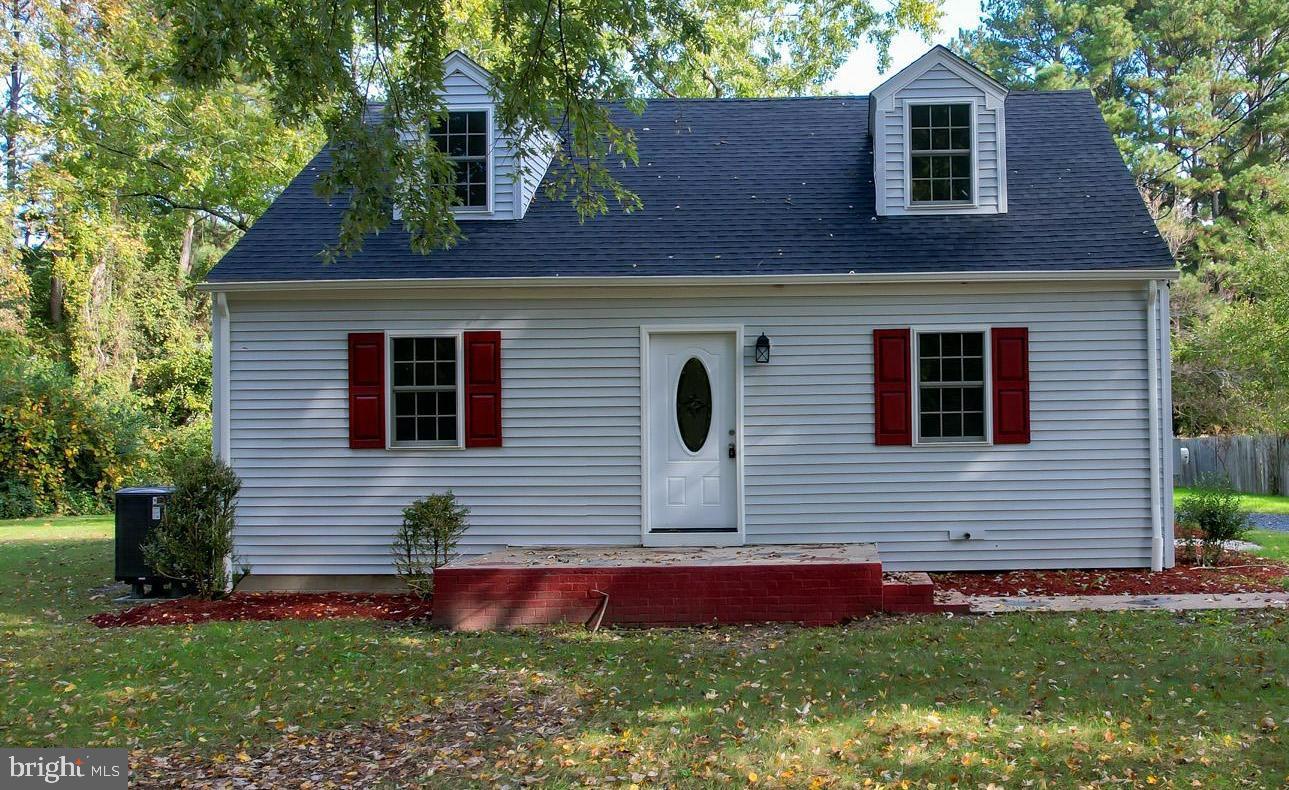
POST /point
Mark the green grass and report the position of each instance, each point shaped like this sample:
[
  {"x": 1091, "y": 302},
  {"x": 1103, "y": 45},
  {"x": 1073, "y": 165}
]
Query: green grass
[
  {"x": 1123, "y": 699},
  {"x": 1252, "y": 503},
  {"x": 1274, "y": 544}
]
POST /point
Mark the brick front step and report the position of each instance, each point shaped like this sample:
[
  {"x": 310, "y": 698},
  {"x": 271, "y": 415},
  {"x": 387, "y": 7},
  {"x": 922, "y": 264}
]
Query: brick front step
[
  {"x": 811, "y": 585},
  {"x": 914, "y": 593}
]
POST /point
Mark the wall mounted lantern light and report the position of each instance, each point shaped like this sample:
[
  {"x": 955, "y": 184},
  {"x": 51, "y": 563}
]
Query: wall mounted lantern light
[{"x": 762, "y": 349}]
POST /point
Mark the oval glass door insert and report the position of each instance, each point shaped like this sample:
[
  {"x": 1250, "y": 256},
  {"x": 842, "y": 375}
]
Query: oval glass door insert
[{"x": 694, "y": 405}]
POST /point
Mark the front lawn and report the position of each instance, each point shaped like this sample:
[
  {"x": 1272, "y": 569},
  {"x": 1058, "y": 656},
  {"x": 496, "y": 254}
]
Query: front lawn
[
  {"x": 1123, "y": 699},
  {"x": 1252, "y": 503},
  {"x": 1274, "y": 544}
]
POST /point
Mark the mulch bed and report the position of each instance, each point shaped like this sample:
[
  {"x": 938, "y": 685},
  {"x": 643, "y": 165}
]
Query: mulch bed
[
  {"x": 270, "y": 606},
  {"x": 1242, "y": 575}
]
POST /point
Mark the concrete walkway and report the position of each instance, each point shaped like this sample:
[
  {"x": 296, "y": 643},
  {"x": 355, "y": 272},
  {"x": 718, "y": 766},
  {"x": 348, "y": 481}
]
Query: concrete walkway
[{"x": 981, "y": 604}]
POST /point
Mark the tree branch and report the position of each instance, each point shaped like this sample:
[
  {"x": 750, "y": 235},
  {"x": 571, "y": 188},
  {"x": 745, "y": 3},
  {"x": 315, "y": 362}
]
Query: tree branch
[{"x": 217, "y": 213}]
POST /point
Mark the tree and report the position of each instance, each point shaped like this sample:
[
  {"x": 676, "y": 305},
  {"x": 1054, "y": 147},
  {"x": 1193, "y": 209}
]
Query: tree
[
  {"x": 1196, "y": 92},
  {"x": 122, "y": 180},
  {"x": 1244, "y": 345},
  {"x": 555, "y": 63},
  {"x": 121, "y": 187}
]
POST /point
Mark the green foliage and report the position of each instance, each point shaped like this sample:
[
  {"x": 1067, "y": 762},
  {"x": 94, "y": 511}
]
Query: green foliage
[
  {"x": 1231, "y": 351},
  {"x": 1213, "y": 509},
  {"x": 553, "y": 64},
  {"x": 432, "y": 527},
  {"x": 121, "y": 189},
  {"x": 167, "y": 449},
  {"x": 67, "y": 444},
  {"x": 194, "y": 541},
  {"x": 17, "y": 500},
  {"x": 175, "y": 388}
]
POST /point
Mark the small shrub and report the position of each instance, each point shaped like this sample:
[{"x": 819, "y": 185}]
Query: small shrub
[
  {"x": 16, "y": 500},
  {"x": 194, "y": 542},
  {"x": 1214, "y": 511},
  {"x": 428, "y": 538}
]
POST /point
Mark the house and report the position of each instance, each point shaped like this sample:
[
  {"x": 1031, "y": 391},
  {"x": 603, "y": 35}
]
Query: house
[{"x": 933, "y": 319}]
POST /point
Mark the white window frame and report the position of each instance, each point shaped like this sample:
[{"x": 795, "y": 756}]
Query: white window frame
[
  {"x": 945, "y": 205},
  {"x": 466, "y": 212},
  {"x": 391, "y": 426},
  {"x": 916, "y": 380}
]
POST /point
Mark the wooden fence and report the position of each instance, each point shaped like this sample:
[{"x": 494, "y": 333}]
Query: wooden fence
[{"x": 1253, "y": 464}]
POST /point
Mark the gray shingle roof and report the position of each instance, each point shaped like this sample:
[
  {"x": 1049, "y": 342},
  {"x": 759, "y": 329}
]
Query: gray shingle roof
[{"x": 761, "y": 186}]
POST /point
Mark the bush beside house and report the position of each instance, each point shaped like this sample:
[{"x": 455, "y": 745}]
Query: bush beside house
[
  {"x": 194, "y": 541},
  {"x": 432, "y": 527},
  {"x": 1210, "y": 517}
]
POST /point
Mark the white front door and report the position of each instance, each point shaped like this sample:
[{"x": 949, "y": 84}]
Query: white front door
[{"x": 691, "y": 431}]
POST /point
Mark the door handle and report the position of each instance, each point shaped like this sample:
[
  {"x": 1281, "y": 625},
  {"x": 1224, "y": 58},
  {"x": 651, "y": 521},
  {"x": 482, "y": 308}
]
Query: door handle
[{"x": 733, "y": 452}]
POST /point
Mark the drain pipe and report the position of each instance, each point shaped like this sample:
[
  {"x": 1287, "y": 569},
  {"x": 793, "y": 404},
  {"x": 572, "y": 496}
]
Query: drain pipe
[{"x": 1152, "y": 358}]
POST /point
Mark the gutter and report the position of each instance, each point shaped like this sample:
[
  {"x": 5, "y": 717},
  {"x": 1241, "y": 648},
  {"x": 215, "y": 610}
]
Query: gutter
[
  {"x": 637, "y": 281},
  {"x": 1156, "y": 494}
]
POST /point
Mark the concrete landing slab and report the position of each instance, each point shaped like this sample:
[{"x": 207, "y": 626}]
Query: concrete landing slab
[
  {"x": 564, "y": 557},
  {"x": 1121, "y": 603}
]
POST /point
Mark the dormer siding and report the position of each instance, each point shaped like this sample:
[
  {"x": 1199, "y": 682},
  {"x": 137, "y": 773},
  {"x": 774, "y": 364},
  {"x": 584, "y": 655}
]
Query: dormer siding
[
  {"x": 514, "y": 177},
  {"x": 938, "y": 78}
]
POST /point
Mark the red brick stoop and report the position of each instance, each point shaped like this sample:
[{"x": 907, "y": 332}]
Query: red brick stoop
[
  {"x": 811, "y": 585},
  {"x": 479, "y": 599},
  {"x": 914, "y": 593}
]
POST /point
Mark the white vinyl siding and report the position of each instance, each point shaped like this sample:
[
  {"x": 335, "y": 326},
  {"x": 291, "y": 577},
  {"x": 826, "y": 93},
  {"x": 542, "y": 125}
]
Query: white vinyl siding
[{"x": 569, "y": 473}]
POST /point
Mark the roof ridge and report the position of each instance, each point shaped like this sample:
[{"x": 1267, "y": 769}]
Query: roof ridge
[
  {"x": 732, "y": 99},
  {"x": 1041, "y": 91}
]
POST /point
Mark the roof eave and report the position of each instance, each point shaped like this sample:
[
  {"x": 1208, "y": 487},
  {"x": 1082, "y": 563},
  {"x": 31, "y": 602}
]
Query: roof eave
[{"x": 638, "y": 281}]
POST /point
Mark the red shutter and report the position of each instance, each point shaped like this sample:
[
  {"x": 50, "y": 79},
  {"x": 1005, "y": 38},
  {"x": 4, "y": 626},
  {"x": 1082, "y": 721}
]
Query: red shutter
[
  {"x": 891, "y": 388},
  {"x": 482, "y": 389},
  {"x": 1010, "y": 352},
  {"x": 367, "y": 390}
]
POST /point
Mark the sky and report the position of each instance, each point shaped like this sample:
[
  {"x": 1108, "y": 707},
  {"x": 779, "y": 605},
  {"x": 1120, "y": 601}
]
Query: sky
[{"x": 859, "y": 74}]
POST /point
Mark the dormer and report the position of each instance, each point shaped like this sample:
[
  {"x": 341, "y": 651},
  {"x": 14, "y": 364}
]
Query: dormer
[
  {"x": 494, "y": 181},
  {"x": 939, "y": 145}
]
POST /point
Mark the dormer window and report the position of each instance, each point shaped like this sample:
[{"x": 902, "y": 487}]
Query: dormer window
[
  {"x": 464, "y": 138},
  {"x": 940, "y": 168}
]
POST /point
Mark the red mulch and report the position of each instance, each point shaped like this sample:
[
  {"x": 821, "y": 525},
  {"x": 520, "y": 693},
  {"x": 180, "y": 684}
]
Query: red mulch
[
  {"x": 1243, "y": 575},
  {"x": 270, "y": 606}
]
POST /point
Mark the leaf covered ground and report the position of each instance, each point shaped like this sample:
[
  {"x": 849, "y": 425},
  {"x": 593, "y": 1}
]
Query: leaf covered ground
[{"x": 1105, "y": 700}]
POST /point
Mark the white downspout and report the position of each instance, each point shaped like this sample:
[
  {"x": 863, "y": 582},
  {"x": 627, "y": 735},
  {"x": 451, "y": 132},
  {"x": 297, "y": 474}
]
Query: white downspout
[
  {"x": 1152, "y": 364},
  {"x": 221, "y": 411}
]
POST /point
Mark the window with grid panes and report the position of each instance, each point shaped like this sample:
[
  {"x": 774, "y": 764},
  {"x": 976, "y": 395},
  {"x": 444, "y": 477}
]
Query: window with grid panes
[
  {"x": 940, "y": 153},
  {"x": 951, "y": 386},
  {"x": 424, "y": 390},
  {"x": 464, "y": 138}
]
